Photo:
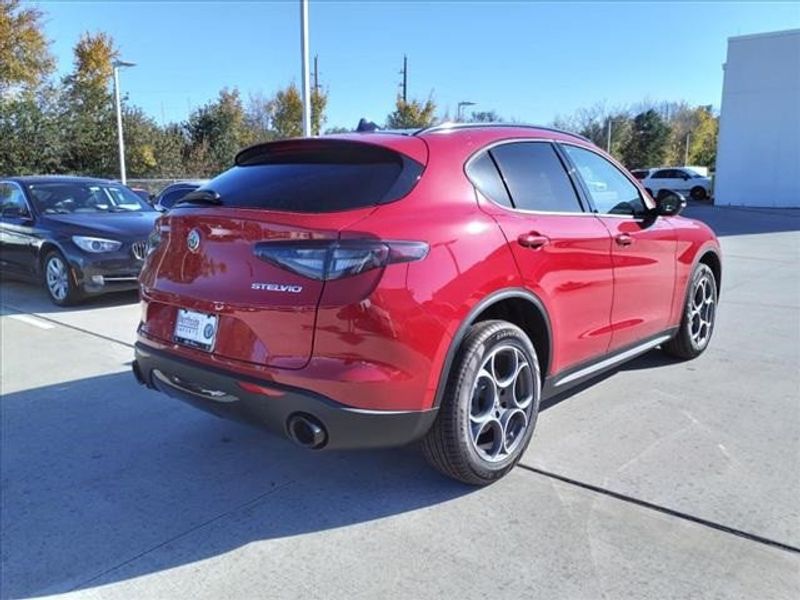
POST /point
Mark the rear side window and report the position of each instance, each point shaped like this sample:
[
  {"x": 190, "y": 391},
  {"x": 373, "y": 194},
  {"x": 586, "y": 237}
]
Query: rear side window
[
  {"x": 316, "y": 176},
  {"x": 536, "y": 178},
  {"x": 484, "y": 175}
]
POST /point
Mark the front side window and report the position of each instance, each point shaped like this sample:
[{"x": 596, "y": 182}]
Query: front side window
[
  {"x": 12, "y": 201},
  {"x": 536, "y": 178},
  {"x": 68, "y": 197},
  {"x": 611, "y": 192}
]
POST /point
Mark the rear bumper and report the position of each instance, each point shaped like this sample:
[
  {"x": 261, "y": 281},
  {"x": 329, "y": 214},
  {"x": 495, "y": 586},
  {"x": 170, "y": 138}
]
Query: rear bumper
[{"x": 270, "y": 405}]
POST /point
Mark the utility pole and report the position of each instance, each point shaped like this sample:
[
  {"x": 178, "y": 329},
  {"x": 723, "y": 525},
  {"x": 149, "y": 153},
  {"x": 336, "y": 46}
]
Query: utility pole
[
  {"x": 686, "y": 152},
  {"x": 304, "y": 59},
  {"x": 608, "y": 137},
  {"x": 404, "y": 72},
  {"x": 316, "y": 73}
]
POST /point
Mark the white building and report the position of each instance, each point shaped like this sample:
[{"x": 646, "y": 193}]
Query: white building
[{"x": 758, "y": 153}]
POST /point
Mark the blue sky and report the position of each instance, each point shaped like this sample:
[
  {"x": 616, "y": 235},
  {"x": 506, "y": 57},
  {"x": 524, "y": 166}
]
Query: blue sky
[{"x": 527, "y": 60}]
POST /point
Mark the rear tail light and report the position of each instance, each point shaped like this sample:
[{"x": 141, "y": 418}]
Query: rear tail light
[{"x": 326, "y": 260}]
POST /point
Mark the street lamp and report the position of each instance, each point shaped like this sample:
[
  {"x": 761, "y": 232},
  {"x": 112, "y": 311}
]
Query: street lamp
[
  {"x": 304, "y": 60},
  {"x": 461, "y": 105},
  {"x": 118, "y": 64}
]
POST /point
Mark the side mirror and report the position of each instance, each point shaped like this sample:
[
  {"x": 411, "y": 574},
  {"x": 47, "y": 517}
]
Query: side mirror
[{"x": 670, "y": 204}]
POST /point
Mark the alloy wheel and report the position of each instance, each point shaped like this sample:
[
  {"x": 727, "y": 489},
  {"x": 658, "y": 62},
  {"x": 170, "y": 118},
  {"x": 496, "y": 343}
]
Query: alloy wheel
[
  {"x": 701, "y": 311},
  {"x": 501, "y": 403},
  {"x": 57, "y": 278}
]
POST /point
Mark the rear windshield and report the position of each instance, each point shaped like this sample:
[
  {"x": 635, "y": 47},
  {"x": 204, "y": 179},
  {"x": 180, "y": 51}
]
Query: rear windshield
[{"x": 318, "y": 176}]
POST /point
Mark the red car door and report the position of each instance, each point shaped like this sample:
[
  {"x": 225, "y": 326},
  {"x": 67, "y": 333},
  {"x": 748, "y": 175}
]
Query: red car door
[
  {"x": 643, "y": 249},
  {"x": 563, "y": 252}
]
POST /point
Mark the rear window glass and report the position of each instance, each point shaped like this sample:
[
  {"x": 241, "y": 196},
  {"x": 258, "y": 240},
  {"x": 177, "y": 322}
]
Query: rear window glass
[{"x": 318, "y": 176}]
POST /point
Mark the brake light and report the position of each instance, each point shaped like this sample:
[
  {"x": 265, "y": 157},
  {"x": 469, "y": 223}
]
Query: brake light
[{"x": 326, "y": 260}]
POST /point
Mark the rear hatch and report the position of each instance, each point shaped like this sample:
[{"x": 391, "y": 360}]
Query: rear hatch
[{"x": 244, "y": 251}]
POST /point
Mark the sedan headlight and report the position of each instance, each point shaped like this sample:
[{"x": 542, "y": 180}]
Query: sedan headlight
[{"x": 95, "y": 245}]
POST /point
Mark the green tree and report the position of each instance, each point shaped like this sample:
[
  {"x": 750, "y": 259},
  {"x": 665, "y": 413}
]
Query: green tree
[
  {"x": 25, "y": 58},
  {"x": 647, "y": 144},
  {"x": 319, "y": 102},
  {"x": 287, "y": 112},
  {"x": 485, "y": 116},
  {"x": 142, "y": 135},
  {"x": 87, "y": 116},
  {"x": 217, "y": 131},
  {"x": 703, "y": 142},
  {"x": 31, "y": 115},
  {"x": 412, "y": 114},
  {"x": 170, "y": 146},
  {"x": 682, "y": 122}
]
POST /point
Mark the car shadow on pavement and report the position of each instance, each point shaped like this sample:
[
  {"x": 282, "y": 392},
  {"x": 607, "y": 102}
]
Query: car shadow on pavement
[
  {"x": 105, "y": 481},
  {"x": 648, "y": 361},
  {"x": 740, "y": 220},
  {"x": 31, "y": 298}
]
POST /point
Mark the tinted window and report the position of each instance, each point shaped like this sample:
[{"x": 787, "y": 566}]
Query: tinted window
[
  {"x": 12, "y": 200},
  {"x": 663, "y": 174},
  {"x": 316, "y": 176},
  {"x": 639, "y": 174},
  {"x": 610, "y": 190},
  {"x": 484, "y": 175},
  {"x": 64, "y": 197},
  {"x": 536, "y": 178}
]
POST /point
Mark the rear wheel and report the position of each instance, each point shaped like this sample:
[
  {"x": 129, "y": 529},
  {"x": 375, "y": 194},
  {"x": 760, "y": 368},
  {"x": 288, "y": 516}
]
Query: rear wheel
[
  {"x": 698, "y": 193},
  {"x": 699, "y": 316},
  {"x": 58, "y": 280},
  {"x": 489, "y": 409}
]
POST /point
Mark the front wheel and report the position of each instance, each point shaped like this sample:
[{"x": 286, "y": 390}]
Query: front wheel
[
  {"x": 698, "y": 193},
  {"x": 699, "y": 316},
  {"x": 489, "y": 409},
  {"x": 58, "y": 281}
]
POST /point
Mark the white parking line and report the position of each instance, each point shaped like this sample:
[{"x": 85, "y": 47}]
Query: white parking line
[{"x": 32, "y": 321}]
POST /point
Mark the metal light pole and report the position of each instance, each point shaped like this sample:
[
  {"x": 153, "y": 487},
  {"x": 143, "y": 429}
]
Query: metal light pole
[
  {"x": 686, "y": 151},
  {"x": 608, "y": 139},
  {"x": 461, "y": 105},
  {"x": 118, "y": 64},
  {"x": 304, "y": 54}
]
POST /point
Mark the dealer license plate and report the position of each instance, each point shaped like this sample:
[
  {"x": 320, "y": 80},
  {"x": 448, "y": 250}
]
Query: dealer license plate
[{"x": 195, "y": 329}]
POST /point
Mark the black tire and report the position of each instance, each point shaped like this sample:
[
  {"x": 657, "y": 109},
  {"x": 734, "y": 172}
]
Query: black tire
[
  {"x": 687, "y": 344},
  {"x": 698, "y": 193},
  {"x": 71, "y": 294},
  {"x": 449, "y": 445}
]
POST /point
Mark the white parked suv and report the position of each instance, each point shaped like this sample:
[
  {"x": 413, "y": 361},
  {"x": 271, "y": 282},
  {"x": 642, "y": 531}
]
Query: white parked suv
[{"x": 677, "y": 179}]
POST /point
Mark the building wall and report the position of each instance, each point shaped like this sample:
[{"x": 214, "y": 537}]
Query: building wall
[{"x": 758, "y": 153}]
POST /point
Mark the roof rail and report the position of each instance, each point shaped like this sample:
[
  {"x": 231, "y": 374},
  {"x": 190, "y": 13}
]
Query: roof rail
[{"x": 446, "y": 126}]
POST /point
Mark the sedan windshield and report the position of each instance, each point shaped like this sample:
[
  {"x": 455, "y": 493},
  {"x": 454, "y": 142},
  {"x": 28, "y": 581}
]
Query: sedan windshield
[{"x": 60, "y": 198}]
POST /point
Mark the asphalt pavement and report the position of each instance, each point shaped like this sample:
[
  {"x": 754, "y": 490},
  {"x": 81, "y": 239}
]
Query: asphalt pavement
[{"x": 663, "y": 479}]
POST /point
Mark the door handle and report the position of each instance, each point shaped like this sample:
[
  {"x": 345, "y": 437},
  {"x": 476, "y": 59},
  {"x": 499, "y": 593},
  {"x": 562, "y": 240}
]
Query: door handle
[
  {"x": 623, "y": 239},
  {"x": 533, "y": 240}
]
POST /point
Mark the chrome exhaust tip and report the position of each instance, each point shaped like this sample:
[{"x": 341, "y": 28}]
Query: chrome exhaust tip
[{"x": 306, "y": 431}]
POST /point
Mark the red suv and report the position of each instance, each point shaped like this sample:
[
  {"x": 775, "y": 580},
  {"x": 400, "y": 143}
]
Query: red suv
[{"x": 374, "y": 289}]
